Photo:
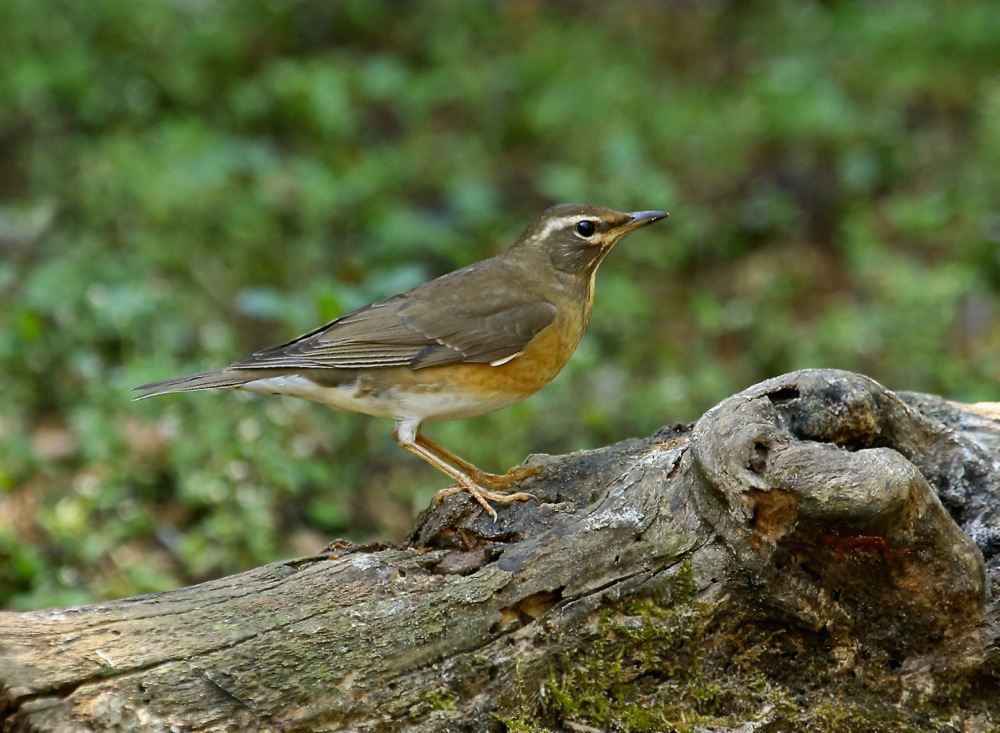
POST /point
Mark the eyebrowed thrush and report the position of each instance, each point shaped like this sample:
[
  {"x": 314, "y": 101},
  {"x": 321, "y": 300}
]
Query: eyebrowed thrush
[{"x": 465, "y": 344}]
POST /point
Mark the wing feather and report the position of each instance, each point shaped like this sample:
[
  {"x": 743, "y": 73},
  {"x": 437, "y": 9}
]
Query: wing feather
[{"x": 432, "y": 325}]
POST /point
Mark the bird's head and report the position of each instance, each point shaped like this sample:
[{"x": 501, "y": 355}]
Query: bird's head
[{"x": 576, "y": 237}]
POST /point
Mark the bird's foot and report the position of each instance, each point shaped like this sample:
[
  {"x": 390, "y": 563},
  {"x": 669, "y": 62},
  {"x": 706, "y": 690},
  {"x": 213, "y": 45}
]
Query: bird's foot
[
  {"x": 504, "y": 480},
  {"x": 483, "y": 496}
]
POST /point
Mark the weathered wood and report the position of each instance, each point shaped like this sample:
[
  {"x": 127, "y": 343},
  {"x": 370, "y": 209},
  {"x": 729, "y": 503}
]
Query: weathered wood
[{"x": 811, "y": 548}]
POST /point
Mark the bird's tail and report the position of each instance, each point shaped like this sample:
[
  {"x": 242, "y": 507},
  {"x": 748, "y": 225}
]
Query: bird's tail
[{"x": 203, "y": 380}]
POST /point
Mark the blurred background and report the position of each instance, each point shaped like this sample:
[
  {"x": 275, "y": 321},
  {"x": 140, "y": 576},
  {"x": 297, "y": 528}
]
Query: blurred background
[{"x": 185, "y": 181}]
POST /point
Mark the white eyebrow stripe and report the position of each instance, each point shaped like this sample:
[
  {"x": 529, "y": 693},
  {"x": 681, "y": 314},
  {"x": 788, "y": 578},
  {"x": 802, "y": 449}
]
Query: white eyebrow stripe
[{"x": 562, "y": 223}]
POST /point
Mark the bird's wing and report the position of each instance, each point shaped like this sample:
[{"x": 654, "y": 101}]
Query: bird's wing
[{"x": 432, "y": 325}]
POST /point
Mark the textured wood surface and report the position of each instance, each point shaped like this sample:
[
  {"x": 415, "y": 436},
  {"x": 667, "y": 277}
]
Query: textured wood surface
[{"x": 817, "y": 511}]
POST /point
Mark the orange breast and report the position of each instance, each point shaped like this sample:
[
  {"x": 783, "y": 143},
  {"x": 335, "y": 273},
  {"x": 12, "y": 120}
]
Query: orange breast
[{"x": 487, "y": 388}]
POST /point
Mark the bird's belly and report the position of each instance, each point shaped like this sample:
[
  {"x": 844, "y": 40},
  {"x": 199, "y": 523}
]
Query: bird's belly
[{"x": 441, "y": 400}]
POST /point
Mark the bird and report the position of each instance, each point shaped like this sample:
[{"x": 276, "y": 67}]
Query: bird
[{"x": 465, "y": 344}]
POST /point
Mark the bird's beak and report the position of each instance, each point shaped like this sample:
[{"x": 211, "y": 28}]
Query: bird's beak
[{"x": 642, "y": 218}]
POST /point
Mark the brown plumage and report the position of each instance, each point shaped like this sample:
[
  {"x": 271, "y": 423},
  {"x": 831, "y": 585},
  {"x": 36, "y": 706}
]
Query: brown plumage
[{"x": 467, "y": 343}]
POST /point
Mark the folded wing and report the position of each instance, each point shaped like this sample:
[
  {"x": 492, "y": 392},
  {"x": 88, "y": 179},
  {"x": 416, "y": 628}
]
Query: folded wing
[{"x": 428, "y": 326}]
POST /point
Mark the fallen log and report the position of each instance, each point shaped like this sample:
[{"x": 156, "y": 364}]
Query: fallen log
[{"x": 814, "y": 553}]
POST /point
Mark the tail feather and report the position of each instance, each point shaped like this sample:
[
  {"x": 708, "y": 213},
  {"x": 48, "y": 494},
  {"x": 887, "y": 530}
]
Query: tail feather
[{"x": 192, "y": 382}]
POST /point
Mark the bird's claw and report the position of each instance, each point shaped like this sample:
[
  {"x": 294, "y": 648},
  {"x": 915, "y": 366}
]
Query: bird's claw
[{"x": 483, "y": 496}]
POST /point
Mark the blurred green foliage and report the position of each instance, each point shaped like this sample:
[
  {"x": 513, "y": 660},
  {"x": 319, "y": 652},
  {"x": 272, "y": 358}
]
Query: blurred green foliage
[{"x": 184, "y": 182}]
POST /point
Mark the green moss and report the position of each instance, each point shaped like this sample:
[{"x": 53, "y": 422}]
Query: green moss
[
  {"x": 844, "y": 717},
  {"x": 667, "y": 663},
  {"x": 519, "y": 726},
  {"x": 441, "y": 700},
  {"x": 644, "y": 671}
]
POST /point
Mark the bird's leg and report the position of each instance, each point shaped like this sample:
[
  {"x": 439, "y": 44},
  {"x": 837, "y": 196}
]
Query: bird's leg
[
  {"x": 490, "y": 480},
  {"x": 407, "y": 435}
]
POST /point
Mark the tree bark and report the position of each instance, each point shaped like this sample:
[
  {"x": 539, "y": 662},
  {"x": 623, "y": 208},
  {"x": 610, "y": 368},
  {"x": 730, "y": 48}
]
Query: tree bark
[{"x": 814, "y": 553}]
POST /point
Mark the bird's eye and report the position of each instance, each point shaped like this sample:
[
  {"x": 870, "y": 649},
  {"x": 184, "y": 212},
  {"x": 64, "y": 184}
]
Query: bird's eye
[{"x": 586, "y": 228}]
